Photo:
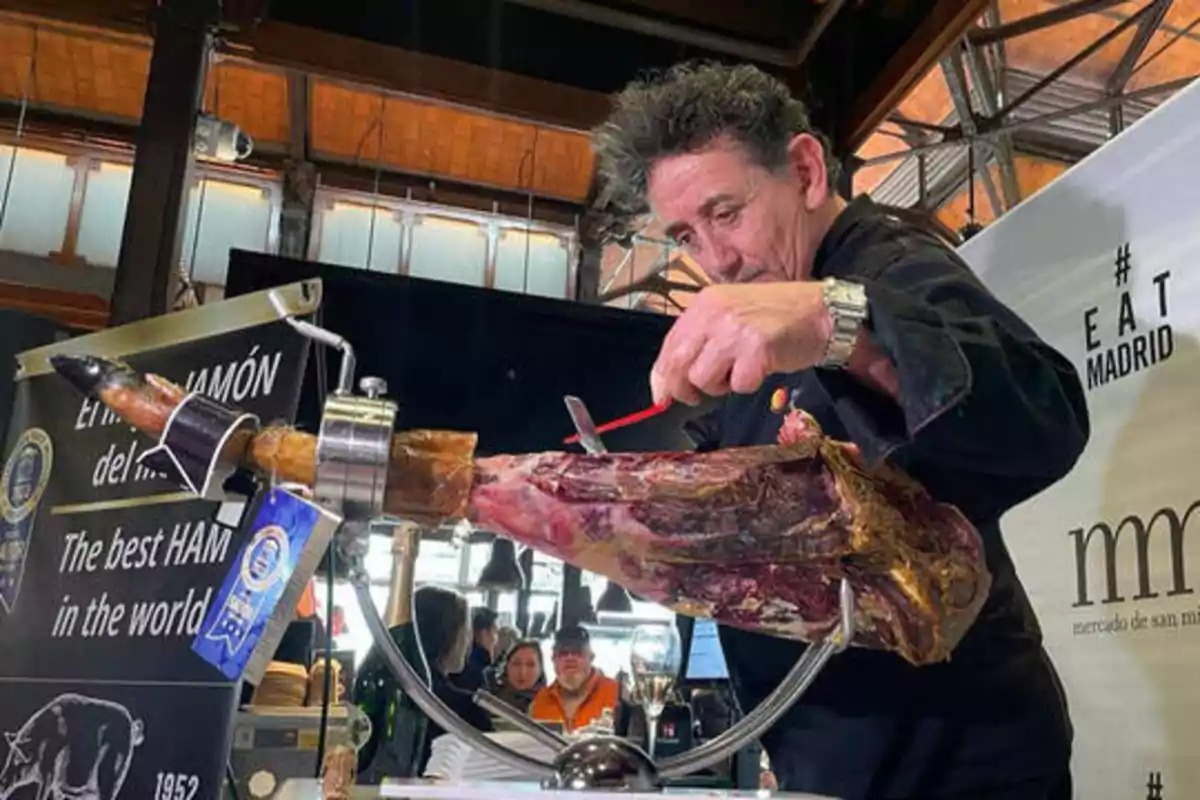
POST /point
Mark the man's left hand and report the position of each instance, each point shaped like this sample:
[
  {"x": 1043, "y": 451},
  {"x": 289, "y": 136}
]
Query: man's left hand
[{"x": 733, "y": 336}]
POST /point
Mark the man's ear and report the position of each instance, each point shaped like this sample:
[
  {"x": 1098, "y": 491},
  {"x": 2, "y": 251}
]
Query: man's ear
[{"x": 806, "y": 159}]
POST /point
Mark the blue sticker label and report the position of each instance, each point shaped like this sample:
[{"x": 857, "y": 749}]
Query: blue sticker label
[{"x": 251, "y": 591}]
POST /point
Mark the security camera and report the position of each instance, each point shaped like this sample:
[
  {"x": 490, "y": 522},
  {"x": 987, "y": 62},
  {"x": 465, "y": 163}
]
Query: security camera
[
  {"x": 970, "y": 230},
  {"x": 221, "y": 140}
]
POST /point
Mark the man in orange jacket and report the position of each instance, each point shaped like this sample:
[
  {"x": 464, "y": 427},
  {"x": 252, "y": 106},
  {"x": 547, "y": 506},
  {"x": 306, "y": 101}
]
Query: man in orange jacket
[{"x": 580, "y": 692}]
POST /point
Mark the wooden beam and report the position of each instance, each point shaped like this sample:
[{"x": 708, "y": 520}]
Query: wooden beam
[
  {"x": 126, "y": 16},
  {"x": 753, "y": 19},
  {"x": 148, "y": 265},
  {"x": 945, "y": 24},
  {"x": 369, "y": 63},
  {"x": 73, "y": 309},
  {"x": 390, "y": 68},
  {"x": 61, "y": 132},
  {"x": 299, "y": 116}
]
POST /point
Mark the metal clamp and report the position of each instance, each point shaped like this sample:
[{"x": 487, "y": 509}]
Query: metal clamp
[
  {"x": 353, "y": 448},
  {"x": 353, "y": 443},
  {"x": 200, "y": 445}
]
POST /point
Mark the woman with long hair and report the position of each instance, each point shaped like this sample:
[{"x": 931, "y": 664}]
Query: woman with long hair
[
  {"x": 522, "y": 673},
  {"x": 444, "y": 630}
]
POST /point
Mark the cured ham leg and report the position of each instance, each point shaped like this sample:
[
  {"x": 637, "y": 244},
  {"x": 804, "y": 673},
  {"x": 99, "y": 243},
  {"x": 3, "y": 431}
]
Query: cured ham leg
[{"x": 756, "y": 537}]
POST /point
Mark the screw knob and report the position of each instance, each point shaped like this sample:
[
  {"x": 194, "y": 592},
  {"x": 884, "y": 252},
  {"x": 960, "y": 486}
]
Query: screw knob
[{"x": 373, "y": 387}]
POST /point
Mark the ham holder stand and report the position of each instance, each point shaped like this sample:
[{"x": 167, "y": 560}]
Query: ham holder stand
[{"x": 351, "y": 475}]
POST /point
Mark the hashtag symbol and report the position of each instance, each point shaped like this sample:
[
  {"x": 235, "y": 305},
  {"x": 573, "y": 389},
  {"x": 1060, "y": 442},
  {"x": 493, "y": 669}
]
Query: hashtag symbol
[
  {"x": 1154, "y": 786},
  {"x": 1122, "y": 271}
]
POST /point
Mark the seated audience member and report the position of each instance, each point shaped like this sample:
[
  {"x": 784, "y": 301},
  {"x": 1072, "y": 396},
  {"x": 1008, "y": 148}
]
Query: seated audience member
[
  {"x": 580, "y": 693},
  {"x": 445, "y": 635},
  {"x": 507, "y": 638},
  {"x": 485, "y": 632},
  {"x": 522, "y": 675}
]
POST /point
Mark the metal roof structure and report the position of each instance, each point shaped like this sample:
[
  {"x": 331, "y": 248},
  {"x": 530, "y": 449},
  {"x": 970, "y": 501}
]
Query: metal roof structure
[{"x": 1032, "y": 88}]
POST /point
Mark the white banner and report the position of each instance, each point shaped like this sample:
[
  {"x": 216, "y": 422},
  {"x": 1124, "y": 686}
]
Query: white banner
[{"x": 1103, "y": 263}]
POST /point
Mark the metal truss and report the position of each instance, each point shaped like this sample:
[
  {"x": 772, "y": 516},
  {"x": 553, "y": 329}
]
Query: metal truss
[{"x": 985, "y": 119}]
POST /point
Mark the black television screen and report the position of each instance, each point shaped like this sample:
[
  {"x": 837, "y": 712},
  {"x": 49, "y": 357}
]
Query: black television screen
[{"x": 494, "y": 362}]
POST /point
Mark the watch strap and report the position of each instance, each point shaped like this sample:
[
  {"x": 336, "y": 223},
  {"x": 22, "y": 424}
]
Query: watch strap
[{"x": 846, "y": 303}]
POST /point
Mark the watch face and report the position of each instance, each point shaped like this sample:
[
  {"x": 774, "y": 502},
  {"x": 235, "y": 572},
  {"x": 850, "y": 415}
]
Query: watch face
[{"x": 848, "y": 299}]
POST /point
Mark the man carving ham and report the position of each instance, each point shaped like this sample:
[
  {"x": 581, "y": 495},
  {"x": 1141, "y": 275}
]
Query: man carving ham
[{"x": 881, "y": 333}]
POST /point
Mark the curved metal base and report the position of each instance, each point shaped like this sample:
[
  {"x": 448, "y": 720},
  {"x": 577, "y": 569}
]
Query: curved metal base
[{"x": 607, "y": 763}]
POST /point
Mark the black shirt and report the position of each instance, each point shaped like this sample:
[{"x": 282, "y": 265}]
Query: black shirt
[
  {"x": 461, "y": 703},
  {"x": 474, "y": 674},
  {"x": 988, "y": 416}
]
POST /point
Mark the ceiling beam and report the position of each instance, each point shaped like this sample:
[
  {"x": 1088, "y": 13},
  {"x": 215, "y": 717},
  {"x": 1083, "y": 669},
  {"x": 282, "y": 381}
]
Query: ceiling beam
[
  {"x": 1124, "y": 70},
  {"x": 662, "y": 29},
  {"x": 990, "y": 132},
  {"x": 317, "y": 52},
  {"x": 298, "y": 115},
  {"x": 754, "y": 20},
  {"x": 1070, "y": 64},
  {"x": 985, "y": 92},
  {"x": 407, "y": 72},
  {"x": 945, "y": 23},
  {"x": 1137, "y": 46},
  {"x": 1037, "y": 22},
  {"x": 956, "y": 82}
]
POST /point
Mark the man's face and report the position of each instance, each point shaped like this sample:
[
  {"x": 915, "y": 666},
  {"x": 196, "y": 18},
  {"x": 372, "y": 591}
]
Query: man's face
[
  {"x": 741, "y": 222},
  {"x": 572, "y": 666}
]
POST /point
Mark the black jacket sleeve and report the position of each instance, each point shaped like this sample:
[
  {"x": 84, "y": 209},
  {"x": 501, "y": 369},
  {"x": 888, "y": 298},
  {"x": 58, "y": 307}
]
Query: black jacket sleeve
[{"x": 979, "y": 390}]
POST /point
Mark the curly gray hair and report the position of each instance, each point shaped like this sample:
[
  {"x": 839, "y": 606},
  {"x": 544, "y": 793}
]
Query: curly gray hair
[{"x": 684, "y": 109}]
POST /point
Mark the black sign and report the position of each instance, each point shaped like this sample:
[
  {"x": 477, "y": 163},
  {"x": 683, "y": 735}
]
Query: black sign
[{"x": 106, "y": 572}]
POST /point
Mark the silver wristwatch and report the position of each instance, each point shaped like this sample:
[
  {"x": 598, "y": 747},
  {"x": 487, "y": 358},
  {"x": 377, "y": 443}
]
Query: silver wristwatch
[{"x": 847, "y": 306}]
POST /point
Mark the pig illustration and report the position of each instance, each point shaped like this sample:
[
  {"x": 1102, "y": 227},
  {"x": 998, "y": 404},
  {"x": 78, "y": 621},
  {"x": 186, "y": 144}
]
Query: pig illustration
[{"x": 73, "y": 748}]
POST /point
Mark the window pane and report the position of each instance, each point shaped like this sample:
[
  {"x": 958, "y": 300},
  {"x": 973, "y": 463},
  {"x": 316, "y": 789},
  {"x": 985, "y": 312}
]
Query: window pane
[
  {"x": 39, "y": 202},
  {"x": 447, "y": 249},
  {"x": 378, "y": 561},
  {"x": 506, "y": 606},
  {"x": 612, "y": 651},
  {"x": 652, "y": 611},
  {"x": 437, "y": 562},
  {"x": 102, "y": 219},
  {"x": 532, "y": 262},
  {"x": 229, "y": 215},
  {"x": 646, "y": 611},
  {"x": 547, "y": 574},
  {"x": 346, "y": 230},
  {"x": 480, "y": 553}
]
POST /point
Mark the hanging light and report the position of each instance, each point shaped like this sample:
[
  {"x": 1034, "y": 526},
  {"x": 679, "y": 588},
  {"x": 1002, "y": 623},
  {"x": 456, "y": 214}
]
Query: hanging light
[
  {"x": 614, "y": 600},
  {"x": 502, "y": 573},
  {"x": 526, "y": 564},
  {"x": 588, "y": 614}
]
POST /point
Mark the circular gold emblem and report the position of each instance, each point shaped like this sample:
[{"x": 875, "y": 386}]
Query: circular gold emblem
[{"x": 26, "y": 473}]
